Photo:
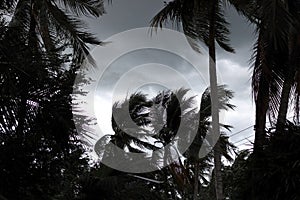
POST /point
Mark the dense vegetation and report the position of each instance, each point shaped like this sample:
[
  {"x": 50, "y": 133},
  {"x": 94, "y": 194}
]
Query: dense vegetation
[{"x": 43, "y": 43}]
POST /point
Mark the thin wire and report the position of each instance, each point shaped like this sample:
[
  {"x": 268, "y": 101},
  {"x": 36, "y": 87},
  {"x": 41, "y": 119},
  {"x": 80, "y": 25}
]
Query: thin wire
[
  {"x": 243, "y": 139},
  {"x": 241, "y": 131},
  {"x": 248, "y": 128},
  {"x": 245, "y": 143}
]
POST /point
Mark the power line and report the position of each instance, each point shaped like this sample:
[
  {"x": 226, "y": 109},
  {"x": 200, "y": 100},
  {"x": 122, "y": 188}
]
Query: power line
[
  {"x": 248, "y": 136},
  {"x": 241, "y": 131},
  {"x": 243, "y": 143},
  {"x": 249, "y": 128},
  {"x": 243, "y": 139}
]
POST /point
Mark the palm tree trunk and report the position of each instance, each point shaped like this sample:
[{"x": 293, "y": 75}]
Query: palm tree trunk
[
  {"x": 262, "y": 105},
  {"x": 196, "y": 181},
  {"x": 167, "y": 154},
  {"x": 284, "y": 101},
  {"x": 214, "y": 101},
  {"x": 262, "y": 99},
  {"x": 289, "y": 80},
  {"x": 218, "y": 172},
  {"x": 261, "y": 112}
]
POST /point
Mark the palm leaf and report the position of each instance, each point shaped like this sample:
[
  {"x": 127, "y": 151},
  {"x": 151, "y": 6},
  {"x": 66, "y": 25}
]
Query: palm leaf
[
  {"x": 85, "y": 7},
  {"x": 72, "y": 29}
]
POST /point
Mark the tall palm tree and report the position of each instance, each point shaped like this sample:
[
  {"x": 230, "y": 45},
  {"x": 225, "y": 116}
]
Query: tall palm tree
[
  {"x": 176, "y": 112},
  {"x": 273, "y": 75},
  {"x": 271, "y": 55},
  {"x": 204, "y": 21},
  {"x": 224, "y": 96},
  {"x": 271, "y": 62},
  {"x": 291, "y": 83}
]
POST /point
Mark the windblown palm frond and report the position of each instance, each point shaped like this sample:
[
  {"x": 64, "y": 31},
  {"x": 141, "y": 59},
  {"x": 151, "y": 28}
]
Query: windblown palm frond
[
  {"x": 85, "y": 7},
  {"x": 129, "y": 119},
  {"x": 172, "y": 11},
  {"x": 204, "y": 117},
  {"x": 247, "y": 8},
  {"x": 72, "y": 29},
  {"x": 227, "y": 147},
  {"x": 54, "y": 26},
  {"x": 194, "y": 19}
]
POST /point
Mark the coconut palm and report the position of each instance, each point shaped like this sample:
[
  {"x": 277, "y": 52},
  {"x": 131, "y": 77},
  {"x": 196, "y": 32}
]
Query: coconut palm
[
  {"x": 274, "y": 69},
  {"x": 202, "y": 21},
  {"x": 224, "y": 96},
  {"x": 50, "y": 24},
  {"x": 179, "y": 112},
  {"x": 271, "y": 66},
  {"x": 166, "y": 114},
  {"x": 129, "y": 129},
  {"x": 290, "y": 88},
  {"x": 37, "y": 34},
  {"x": 36, "y": 124},
  {"x": 35, "y": 131},
  {"x": 134, "y": 123}
]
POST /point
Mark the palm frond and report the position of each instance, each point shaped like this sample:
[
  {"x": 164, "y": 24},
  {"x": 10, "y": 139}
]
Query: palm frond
[
  {"x": 224, "y": 96},
  {"x": 72, "y": 29},
  {"x": 85, "y": 7},
  {"x": 222, "y": 32},
  {"x": 44, "y": 26},
  {"x": 20, "y": 21},
  {"x": 277, "y": 22},
  {"x": 227, "y": 148},
  {"x": 194, "y": 18},
  {"x": 171, "y": 11},
  {"x": 268, "y": 65},
  {"x": 247, "y": 8}
]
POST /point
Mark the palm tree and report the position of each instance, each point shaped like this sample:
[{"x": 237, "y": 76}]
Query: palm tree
[
  {"x": 137, "y": 105},
  {"x": 139, "y": 111},
  {"x": 46, "y": 130},
  {"x": 224, "y": 96},
  {"x": 125, "y": 126},
  {"x": 50, "y": 24},
  {"x": 204, "y": 21},
  {"x": 177, "y": 113},
  {"x": 271, "y": 66},
  {"x": 36, "y": 116},
  {"x": 270, "y": 55},
  {"x": 291, "y": 77},
  {"x": 164, "y": 114},
  {"x": 273, "y": 71},
  {"x": 46, "y": 28},
  {"x": 270, "y": 52}
]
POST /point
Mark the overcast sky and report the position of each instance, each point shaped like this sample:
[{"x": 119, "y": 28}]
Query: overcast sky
[{"x": 234, "y": 69}]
